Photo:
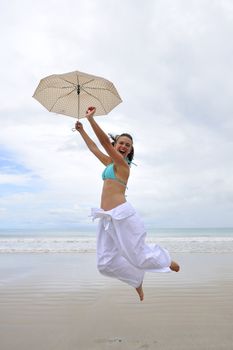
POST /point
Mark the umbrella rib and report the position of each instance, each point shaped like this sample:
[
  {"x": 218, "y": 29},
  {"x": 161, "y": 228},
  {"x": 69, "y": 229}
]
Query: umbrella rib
[
  {"x": 57, "y": 87},
  {"x": 87, "y": 82},
  {"x": 92, "y": 88},
  {"x": 67, "y": 81},
  {"x": 95, "y": 99},
  {"x": 59, "y": 98}
]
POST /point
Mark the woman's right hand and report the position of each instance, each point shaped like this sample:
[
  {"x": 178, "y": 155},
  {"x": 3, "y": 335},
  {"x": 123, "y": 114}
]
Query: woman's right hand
[
  {"x": 90, "y": 112},
  {"x": 78, "y": 126}
]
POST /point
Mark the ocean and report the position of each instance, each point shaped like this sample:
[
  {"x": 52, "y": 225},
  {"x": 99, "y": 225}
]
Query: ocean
[{"x": 178, "y": 240}]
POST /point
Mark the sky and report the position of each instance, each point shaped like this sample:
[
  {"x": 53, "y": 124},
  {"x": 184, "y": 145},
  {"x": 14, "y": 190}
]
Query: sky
[{"x": 171, "y": 62}]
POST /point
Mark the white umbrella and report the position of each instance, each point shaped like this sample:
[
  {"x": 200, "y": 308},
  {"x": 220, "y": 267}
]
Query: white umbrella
[{"x": 72, "y": 93}]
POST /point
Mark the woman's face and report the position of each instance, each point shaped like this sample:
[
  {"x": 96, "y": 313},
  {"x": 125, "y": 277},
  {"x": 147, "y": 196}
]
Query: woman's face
[{"x": 123, "y": 145}]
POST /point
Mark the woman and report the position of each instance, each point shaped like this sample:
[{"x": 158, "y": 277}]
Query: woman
[{"x": 121, "y": 249}]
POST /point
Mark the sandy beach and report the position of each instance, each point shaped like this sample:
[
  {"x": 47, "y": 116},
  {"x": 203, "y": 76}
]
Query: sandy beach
[{"x": 60, "y": 301}]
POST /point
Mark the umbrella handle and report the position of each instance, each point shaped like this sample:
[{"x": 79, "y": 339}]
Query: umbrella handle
[{"x": 74, "y": 129}]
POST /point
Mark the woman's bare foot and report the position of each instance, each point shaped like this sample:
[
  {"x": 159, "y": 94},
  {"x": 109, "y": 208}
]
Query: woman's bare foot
[
  {"x": 140, "y": 292},
  {"x": 174, "y": 266}
]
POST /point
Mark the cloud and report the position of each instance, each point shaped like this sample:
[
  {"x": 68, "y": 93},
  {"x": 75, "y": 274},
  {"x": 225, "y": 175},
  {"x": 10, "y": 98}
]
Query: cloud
[{"x": 172, "y": 66}]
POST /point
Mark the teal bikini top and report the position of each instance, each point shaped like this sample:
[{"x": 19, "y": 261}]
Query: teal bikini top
[{"x": 109, "y": 173}]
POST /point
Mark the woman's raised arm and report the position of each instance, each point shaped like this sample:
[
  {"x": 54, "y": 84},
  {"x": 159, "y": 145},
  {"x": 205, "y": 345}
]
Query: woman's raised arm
[
  {"x": 91, "y": 144},
  {"x": 103, "y": 138}
]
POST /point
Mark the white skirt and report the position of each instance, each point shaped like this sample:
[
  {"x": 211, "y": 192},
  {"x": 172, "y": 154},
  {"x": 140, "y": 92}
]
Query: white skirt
[{"x": 121, "y": 249}]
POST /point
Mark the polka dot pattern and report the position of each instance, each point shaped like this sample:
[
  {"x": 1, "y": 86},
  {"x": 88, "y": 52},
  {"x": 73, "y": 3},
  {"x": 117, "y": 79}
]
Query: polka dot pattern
[{"x": 59, "y": 94}]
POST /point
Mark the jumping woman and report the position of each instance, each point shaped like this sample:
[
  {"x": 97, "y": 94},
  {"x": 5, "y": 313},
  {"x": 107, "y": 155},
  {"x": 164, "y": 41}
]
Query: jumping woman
[{"x": 121, "y": 249}]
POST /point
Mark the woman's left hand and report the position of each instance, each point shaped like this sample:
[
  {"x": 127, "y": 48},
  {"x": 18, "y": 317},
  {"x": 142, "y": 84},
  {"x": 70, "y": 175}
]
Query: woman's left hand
[
  {"x": 78, "y": 126},
  {"x": 90, "y": 112}
]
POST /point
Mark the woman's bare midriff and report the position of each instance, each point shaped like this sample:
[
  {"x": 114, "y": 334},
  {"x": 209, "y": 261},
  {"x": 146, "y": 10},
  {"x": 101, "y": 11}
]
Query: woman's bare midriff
[{"x": 113, "y": 194}]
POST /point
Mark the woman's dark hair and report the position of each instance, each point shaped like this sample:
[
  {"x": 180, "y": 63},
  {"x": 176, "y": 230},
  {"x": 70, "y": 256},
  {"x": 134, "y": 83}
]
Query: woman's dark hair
[{"x": 114, "y": 140}]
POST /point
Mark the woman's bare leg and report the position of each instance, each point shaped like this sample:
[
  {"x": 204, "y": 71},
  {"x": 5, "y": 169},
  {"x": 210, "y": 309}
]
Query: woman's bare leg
[{"x": 139, "y": 290}]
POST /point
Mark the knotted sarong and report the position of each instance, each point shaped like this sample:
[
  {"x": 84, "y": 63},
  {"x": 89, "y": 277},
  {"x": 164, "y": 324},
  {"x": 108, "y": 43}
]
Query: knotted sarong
[{"x": 121, "y": 249}]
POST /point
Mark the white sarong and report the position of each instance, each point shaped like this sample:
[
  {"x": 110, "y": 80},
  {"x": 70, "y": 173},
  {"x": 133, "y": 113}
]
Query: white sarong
[{"x": 121, "y": 249}]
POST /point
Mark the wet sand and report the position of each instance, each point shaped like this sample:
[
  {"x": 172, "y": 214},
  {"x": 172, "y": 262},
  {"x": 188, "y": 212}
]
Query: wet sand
[{"x": 60, "y": 301}]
